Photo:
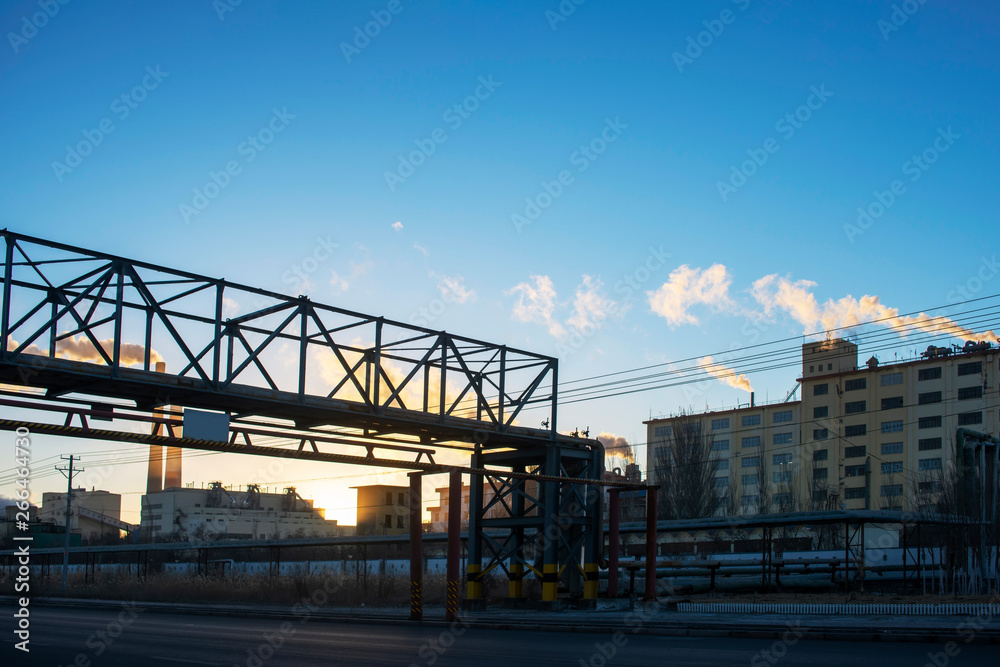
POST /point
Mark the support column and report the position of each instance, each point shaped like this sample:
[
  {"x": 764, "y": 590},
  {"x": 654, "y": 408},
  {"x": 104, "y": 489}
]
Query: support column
[
  {"x": 552, "y": 530},
  {"x": 474, "y": 562},
  {"x": 454, "y": 533},
  {"x": 613, "y": 543},
  {"x": 651, "y": 543},
  {"x": 594, "y": 531},
  {"x": 416, "y": 548},
  {"x": 515, "y": 587}
]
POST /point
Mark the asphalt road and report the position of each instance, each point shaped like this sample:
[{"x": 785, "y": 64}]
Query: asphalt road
[{"x": 132, "y": 637}]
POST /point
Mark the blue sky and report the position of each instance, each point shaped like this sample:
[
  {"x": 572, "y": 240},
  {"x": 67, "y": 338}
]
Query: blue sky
[{"x": 332, "y": 120}]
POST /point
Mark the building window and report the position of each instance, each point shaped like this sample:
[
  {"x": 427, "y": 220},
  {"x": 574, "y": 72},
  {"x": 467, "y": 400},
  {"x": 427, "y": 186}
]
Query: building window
[
  {"x": 750, "y": 480},
  {"x": 929, "y": 464},
  {"x": 893, "y": 426},
  {"x": 821, "y": 473},
  {"x": 854, "y": 471},
  {"x": 854, "y": 452},
  {"x": 929, "y": 422},
  {"x": 399, "y": 521},
  {"x": 820, "y": 434},
  {"x": 401, "y": 499},
  {"x": 854, "y": 407},
  {"x": 967, "y": 418},
  {"x": 970, "y": 368},
  {"x": 750, "y": 461},
  {"x": 388, "y": 521},
  {"x": 661, "y": 431},
  {"x": 855, "y": 384},
  {"x": 965, "y": 393},
  {"x": 821, "y": 389},
  {"x": 892, "y": 448},
  {"x": 721, "y": 482},
  {"x": 749, "y": 501},
  {"x": 892, "y": 403},
  {"x": 854, "y": 494},
  {"x": 855, "y": 430},
  {"x": 722, "y": 464},
  {"x": 925, "y": 444},
  {"x": 929, "y": 397},
  {"x": 781, "y": 477},
  {"x": 720, "y": 446},
  {"x": 821, "y": 455},
  {"x": 752, "y": 441},
  {"x": 720, "y": 423},
  {"x": 929, "y": 487},
  {"x": 750, "y": 420},
  {"x": 781, "y": 459},
  {"x": 929, "y": 374},
  {"x": 892, "y": 489},
  {"x": 892, "y": 467},
  {"x": 892, "y": 378},
  {"x": 821, "y": 412},
  {"x": 781, "y": 438},
  {"x": 783, "y": 416},
  {"x": 388, "y": 497}
]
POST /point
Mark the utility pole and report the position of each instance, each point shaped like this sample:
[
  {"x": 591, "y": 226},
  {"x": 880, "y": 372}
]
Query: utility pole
[{"x": 68, "y": 472}]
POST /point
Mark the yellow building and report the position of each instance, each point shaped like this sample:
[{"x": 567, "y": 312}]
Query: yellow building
[{"x": 877, "y": 436}]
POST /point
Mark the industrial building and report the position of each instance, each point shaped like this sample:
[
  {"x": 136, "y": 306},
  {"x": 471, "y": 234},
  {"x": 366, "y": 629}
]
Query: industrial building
[
  {"x": 383, "y": 509},
  {"x": 219, "y": 512},
  {"x": 877, "y": 436},
  {"x": 93, "y": 514}
]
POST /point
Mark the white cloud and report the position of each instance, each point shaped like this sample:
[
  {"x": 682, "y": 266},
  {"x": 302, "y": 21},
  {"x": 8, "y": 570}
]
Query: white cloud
[
  {"x": 422, "y": 250},
  {"x": 688, "y": 287},
  {"x": 398, "y": 226},
  {"x": 453, "y": 289},
  {"x": 798, "y": 301},
  {"x": 591, "y": 305},
  {"x": 536, "y": 302}
]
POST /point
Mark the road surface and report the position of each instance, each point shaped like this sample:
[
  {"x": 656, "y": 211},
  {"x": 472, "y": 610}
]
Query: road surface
[{"x": 131, "y": 636}]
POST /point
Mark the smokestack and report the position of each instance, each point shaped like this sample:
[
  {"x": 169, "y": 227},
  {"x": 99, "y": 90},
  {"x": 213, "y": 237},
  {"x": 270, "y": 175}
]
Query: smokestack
[
  {"x": 155, "y": 479},
  {"x": 752, "y": 403}
]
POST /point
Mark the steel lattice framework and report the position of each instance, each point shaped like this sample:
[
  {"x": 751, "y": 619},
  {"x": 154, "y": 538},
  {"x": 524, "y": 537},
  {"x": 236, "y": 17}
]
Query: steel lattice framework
[
  {"x": 89, "y": 324},
  {"x": 80, "y": 320}
]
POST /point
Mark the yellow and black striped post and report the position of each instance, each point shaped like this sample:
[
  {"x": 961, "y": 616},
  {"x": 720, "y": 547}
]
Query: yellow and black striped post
[
  {"x": 550, "y": 582},
  {"x": 515, "y": 587},
  {"x": 416, "y": 600},
  {"x": 454, "y": 534},
  {"x": 416, "y": 549},
  {"x": 590, "y": 581},
  {"x": 474, "y": 581}
]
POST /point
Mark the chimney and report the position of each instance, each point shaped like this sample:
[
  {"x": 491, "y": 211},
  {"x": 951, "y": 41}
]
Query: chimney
[
  {"x": 155, "y": 479},
  {"x": 752, "y": 403}
]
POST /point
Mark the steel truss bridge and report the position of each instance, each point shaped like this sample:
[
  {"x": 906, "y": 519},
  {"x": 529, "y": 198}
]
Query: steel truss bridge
[{"x": 83, "y": 331}]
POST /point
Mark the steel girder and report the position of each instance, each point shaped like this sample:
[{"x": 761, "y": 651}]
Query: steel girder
[{"x": 76, "y": 320}]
